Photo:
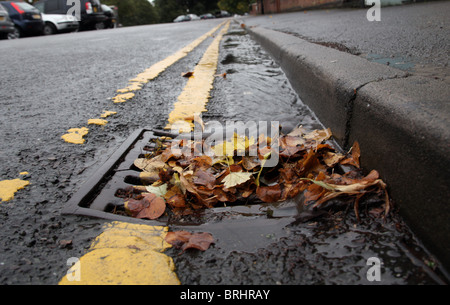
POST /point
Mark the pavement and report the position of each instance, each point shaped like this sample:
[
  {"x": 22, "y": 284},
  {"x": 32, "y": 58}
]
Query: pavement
[{"x": 384, "y": 84}]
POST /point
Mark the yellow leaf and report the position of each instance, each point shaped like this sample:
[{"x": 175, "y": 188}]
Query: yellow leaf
[
  {"x": 236, "y": 178},
  {"x": 237, "y": 143}
]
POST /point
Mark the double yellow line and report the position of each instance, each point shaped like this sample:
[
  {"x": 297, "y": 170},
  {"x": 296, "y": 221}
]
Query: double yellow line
[
  {"x": 76, "y": 135},
  {"x": 133, "y": 254}
]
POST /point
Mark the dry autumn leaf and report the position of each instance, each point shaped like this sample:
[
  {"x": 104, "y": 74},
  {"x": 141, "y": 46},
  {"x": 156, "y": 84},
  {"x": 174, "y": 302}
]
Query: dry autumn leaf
[
  {"x": 150, "y": 206},
  {"x": 186, "y": 240},
  {"x": 353, "y": 159},
  {"x": 236, "y": 178},
  {"x": 269, "y": 193},
  {"x": 187, "y": 74},
  {"x": 151, "y": 165}
]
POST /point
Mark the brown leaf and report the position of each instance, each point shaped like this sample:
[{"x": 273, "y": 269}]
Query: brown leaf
[
  {"x": 289, "y": 151},
  {"x": 165, "y": 174},
  {"x": 224, "y": 75},
  {"x": 223, "y": 196},
  {"x": 186, "y": 240},
  {"x": 189, "y": 186},
  {"x": 331, "y": 159},
  {"x": 152, "y": 165},
  {"x": 200, "y": 241},
  {"x": 176, "y": 201},
  {"x": 150, "y": 206},
  {"x": 187, "y": 74},
  {"x": 250, "y": 163},
  {"x": 202, "y": 162},
  {"x": 292, "y": 190},
  {"x": 354, "y": 157},
  {"x": 269, "y": 193},
  {"x": 288, "y": 173},
  {"x": 310, "y": 164},
  {"x": 318, "y": 135},
  {"x": 178, "y": 238},
  {"x": 314, "y": 192},
  {"x": 291, "y": 141},
  {"x": 205, "y": 178}
]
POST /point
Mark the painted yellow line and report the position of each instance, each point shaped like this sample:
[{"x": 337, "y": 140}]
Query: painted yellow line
[
  {"x": 75, "y": 135},
  {"x": 107, "y": 113},
  {"x": 100, "y": 122},
  {"x": 9, "y": 187},
  {"x": 152, "y": 72},
  {"x": 195, "y": 94},
  {"x": 125, "y": 254}
]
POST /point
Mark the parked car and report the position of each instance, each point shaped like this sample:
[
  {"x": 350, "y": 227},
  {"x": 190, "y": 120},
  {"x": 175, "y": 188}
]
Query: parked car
[
  {"x": 182, "y": 18},
  {"x": 111, "y": 15},
  {"x": 6, "y": 25},
  {"x": 26, "y": 18},
  {"x": 207, "y": 16},
  {"x": 193, "y": 17},
  {"x": 57, "y": 23},
  {"x": 222, "y": 14},
  {"x": 91, "y": 14}
]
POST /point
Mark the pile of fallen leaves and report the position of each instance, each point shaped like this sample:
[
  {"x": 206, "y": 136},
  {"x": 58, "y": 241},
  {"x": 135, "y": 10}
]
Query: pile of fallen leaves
[{"x": 308, "y": 166}]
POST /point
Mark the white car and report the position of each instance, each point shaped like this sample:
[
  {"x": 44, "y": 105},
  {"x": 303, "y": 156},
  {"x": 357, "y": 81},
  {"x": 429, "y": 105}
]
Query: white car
[
  {"x": 58, "y": 23},
  {"x": 193, "y": 17}
]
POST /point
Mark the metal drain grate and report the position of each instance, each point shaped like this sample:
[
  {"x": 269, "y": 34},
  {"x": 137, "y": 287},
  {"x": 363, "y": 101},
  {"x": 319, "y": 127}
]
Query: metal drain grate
[{"x": 100, "y": 195}]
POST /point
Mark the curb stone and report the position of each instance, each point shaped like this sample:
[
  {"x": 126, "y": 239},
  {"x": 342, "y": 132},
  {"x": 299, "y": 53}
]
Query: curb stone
[{"x": 399, "y": 120}]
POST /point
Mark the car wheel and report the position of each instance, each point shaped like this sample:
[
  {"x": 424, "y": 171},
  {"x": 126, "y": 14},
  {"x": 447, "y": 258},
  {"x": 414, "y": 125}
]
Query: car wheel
[
  {"x": 100, "y": 26},
  {"x": 15, "y": 34},
  {"x": 49, "y": 29}
]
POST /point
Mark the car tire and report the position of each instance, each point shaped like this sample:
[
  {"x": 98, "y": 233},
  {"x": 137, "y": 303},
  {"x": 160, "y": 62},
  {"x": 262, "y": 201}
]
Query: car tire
[
  {"x": 49, "y": 29},
  {"x": 16, "y": 34},
  {"x": 100, "y": 26}
]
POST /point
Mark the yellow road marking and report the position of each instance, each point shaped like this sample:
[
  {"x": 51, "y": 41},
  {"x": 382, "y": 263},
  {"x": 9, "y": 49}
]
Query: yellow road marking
[
  {"x": 9, "y": 187},
  {"x": 123, "y": 97},
  {"x": 195, "y": 94},
  {"x": 106, "y": 113},
  {"x": 97, "y": 122},
  {"x": 152, "y": 72},
  {"x": 75, "y": 135},
  {"x": 126, "y": 254}
]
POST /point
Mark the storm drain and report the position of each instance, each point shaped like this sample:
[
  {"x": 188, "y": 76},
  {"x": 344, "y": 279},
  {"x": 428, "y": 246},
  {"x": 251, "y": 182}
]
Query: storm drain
[{"x": 102, "y": 196}]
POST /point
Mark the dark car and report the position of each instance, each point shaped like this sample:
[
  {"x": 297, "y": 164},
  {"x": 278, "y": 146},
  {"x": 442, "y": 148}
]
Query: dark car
[
  {"x": 91, "y": 15},
  {"x": 111, "y": 15},
  {"x": 222, "y": 14},
  {"x": 26, "y": 18},
  {"x": 207, "y": 16},
  {"x": 6, "y": 25},
  {"x": 182, "y": 18}
]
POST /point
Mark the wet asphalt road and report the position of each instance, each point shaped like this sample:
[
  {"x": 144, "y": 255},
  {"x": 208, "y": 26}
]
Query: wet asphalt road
[{"x": 51, "y": 84}]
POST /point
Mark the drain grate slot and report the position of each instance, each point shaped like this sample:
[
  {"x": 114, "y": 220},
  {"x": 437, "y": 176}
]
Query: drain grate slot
[{"x": 103, "y": 195}]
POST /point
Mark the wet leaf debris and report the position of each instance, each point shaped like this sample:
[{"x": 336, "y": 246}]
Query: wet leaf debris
[{"x": 182, "y": 176}]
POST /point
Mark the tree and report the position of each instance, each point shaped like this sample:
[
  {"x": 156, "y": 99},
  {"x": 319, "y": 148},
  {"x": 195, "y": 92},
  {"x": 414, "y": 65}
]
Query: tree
[
  {"x": 134, "y": 12},
  {"x": 235, "y": 6},
  {"x": 168, "y": 10}
]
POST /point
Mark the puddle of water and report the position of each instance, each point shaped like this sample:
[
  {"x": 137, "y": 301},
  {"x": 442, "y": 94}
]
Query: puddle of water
[{"x": 398, "y": 62}]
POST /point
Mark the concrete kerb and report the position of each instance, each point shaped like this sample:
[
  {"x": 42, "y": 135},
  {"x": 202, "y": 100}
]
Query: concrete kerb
[{"x": 399, "y": 120}]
